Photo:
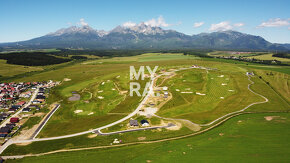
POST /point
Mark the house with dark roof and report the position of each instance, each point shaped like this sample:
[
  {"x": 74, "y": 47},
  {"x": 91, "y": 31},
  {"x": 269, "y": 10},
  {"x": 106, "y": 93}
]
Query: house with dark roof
[
  {"x": 1, "y": 118},
  {"x": 3, "y": 135},
  {"x": 134, "y": 123},
  {"x": 26, "y": 110},
  {"x": 10, "y": 125},
  {"x": 5, "y": 130},
  {"x": 5, "y": 115},
  {"x": 144, "y": 122},
  {"x": 12, "y": 110},
  {"x": 40, "y": 97}
]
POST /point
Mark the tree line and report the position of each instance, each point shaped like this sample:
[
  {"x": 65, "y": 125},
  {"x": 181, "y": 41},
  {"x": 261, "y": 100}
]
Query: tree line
[{"x": 32, "y": 58}]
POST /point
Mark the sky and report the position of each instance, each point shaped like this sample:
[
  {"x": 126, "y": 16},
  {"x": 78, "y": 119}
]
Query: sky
[{"x": 26, "y": 19}]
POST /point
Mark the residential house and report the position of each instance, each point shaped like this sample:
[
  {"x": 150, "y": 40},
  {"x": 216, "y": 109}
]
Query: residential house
[
  {"x": 134, "y": 123},
  {"x": 14, "y": 120},
  {"x": 5, "y": 130},
  {"x": 26, "y": 110},
  {"x": 144, "y": 122}
]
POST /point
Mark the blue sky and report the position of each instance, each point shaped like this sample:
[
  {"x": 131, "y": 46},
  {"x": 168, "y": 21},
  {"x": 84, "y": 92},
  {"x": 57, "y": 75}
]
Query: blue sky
[{"x": 26, "y": 19}]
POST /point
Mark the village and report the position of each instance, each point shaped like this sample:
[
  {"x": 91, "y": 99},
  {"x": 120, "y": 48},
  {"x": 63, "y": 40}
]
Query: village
[{"x": 19, "y": 100}]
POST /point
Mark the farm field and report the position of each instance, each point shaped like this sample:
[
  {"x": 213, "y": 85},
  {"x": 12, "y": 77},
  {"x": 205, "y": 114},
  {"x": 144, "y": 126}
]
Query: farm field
[{"x": 243, "y": 135}]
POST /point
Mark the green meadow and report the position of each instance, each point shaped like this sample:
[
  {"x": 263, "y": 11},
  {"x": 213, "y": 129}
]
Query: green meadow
[
  {"x": 103, "y": 87},
  {"x": 248, "y": 138}
]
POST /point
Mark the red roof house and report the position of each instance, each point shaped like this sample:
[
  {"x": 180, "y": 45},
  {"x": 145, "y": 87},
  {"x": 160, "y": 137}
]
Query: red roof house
[
  {"x": 14, "y": 120},
  {"x": 21, "y": 103}
]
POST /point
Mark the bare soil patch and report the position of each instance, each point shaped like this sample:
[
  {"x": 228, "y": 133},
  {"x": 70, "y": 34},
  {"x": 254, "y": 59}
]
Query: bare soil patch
[
  {"x": 92, "y": 135},
  {"x": 66, "y": 79},
  {"x": 270, "y": 118}
]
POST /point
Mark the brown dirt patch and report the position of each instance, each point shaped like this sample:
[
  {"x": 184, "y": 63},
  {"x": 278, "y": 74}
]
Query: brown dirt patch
[
  {"x": 23, "y": 144},
  {"x": 66, "y": 79},
  {"x": 270, "y": 118},
  {"x": 38, "y": 114},
  {"x": 92, "y": 135}
]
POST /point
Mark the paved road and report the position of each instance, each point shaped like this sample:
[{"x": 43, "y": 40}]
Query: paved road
[
  {"x": 249, "y": 85},
  {"x": 150, "y": 92},
  {"x": 227, "y": 116},
  {"x": 2, "y": 148},
  {"x": 36, "y": 132},
  {"x": 9, "y": 142},
  {"x": 140, "y": 142},
  {"x": 222, "y": 117},
  {"x": 138, "y": 129}
]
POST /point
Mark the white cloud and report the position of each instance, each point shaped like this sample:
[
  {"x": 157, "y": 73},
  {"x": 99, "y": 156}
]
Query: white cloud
[
  {"x": 129, "y": 24},
  {"x": 222, "y": 26},
  {"x": 198, "y": 24},
  {"x": 239, "y": 24},
  {"x": 160, "y": 22},
  {"x": 275, "y": 23},
  {"x": 82, "y": 22},
  {"x": 288, "y": 28}
]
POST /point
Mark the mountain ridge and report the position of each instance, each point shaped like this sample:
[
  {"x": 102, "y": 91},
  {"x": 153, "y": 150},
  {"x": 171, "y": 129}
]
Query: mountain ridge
[{"x": 142, "y": 36}]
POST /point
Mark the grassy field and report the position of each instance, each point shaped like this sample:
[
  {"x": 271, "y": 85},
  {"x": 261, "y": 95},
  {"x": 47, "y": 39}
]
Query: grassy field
[
  {"x": 11, "y": 70},
  {"x": 227, "y": 54},
  {"x": 222, "y": 92},
  {"x": 278, "y": 81},
  {"x": 270, "y": 57},
  {"x": 103, "y": 88},
  {"x": 147, "y": 57},
  {"x": 248, "y": 138},
  {"x": 86, "y": 77}
]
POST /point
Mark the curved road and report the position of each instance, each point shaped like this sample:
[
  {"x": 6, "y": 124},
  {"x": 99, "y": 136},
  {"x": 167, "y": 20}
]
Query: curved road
[
  {"x": 214, "y": 121},
  {"x": 150, "y": 92},
  {"x": 9, "y": 142}
]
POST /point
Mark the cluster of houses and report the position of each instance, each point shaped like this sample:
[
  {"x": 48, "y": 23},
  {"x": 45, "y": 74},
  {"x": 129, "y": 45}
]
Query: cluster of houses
[
  {"x": 40, "y": 98},
  {"x": 134, "y": 123},
  {"x": 13, "y": 98},
  {"x": 10, "y": 93},
  {"x": 5, "y": 131}
]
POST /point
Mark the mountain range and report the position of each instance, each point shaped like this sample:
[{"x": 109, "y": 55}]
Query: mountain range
[{"x": 142, "y": 36}]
